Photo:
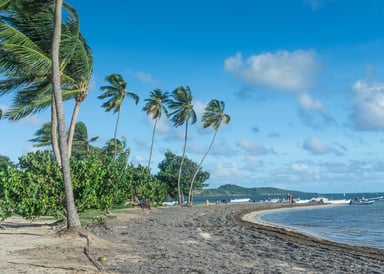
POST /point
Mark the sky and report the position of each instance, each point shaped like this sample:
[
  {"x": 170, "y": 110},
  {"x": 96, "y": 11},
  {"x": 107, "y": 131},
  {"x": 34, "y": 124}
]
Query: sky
[{"x": 303, "y": 82}]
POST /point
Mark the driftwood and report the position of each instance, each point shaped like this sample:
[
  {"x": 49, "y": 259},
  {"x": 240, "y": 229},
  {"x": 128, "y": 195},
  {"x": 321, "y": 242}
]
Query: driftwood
[{"x": 88, "y": 253}]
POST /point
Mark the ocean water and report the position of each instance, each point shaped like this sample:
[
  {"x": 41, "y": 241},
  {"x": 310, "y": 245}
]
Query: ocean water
[{"x": 359, "y": 225}]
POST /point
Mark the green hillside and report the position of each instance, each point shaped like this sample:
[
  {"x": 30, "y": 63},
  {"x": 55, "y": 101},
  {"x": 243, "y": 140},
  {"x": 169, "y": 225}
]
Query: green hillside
[{"x": 235, "y": 190}]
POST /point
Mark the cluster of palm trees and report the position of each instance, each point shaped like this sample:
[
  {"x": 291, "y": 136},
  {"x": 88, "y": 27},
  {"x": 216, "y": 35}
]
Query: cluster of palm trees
[
  {"x": 180, "y": 103},
  {"x": 45, "y": 59}
]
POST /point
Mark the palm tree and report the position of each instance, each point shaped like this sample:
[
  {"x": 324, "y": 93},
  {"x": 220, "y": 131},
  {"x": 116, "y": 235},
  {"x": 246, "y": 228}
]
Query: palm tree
[
  {"x": 116, "y": 93},
  {"x": 43, "y": 136},
  {"x": 214, "y": 117},
  {"x": 73, "y": 220},
  {"x": 80, "y": 138},
  {"x": 25, "y": 43},
  {"x": 155, "y": 105},
  {"x": 182, "y": 112},
  {"x": 109, "y": 148}
]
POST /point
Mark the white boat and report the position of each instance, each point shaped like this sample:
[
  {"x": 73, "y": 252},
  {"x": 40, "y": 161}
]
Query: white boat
[
  {"x": 380, "y": 198},
  {"x": 172, "y": 203},
  {"x": 299, "y": 201},
  {"x": 341, "y": 201},
  {"x": 242, "y": 200},
  {"x": 362, "y": 201},
  {"x": 319, "y": 200}
]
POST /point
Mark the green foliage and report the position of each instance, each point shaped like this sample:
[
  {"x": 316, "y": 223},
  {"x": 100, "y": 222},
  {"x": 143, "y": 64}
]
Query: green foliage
[
  {"x": 5, "y": 162},
  {"x": 6, "y": 204},
  {"x": 168, "y": 174},
  {"x": 34, "y": 189},
  {"x": 146, "y": 186}
]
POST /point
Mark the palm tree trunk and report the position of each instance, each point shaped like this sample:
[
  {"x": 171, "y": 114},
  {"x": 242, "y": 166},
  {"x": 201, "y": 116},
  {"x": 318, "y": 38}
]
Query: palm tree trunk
[
  {"x": 114, "y": 135},
  {"x": 72, "y": 126},
  {"x": 181, "y": 197},
  {"x": 198, "y": 168},
  {"x": 73, "y": 220},
  {"x": 55, "y": 141},
  {"x": 153, "y": 140}
]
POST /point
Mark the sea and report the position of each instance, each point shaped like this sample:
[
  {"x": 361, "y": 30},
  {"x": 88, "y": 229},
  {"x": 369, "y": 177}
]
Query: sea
[{"x": 359, "y": 225}]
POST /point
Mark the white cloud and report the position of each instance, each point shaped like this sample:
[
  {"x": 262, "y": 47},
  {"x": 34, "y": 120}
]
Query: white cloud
[
  {"x": 226, "y": 171},
  {"x": 254, "y": 148},
  {"x": 299, "y": 167},
  {"x": 252, "y": 162},
  {"x": 368, "y": 113},
  {"x": 291, "y": 71},
  {"x": 144, "y": 77},
  {"x": 307, "y": 103},
  {"x": 316, "y": 146}
]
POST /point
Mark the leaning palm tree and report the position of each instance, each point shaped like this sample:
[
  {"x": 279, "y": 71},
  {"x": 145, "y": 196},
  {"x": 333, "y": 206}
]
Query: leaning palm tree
[
  {"x": 73, "y": 220},
  {"x": 155, "y": 105},
  {"x": 214, "y": 117},
  {"x": 116, "y": 93},
  {"x": 182, "y": 112},
  {"x": 25, "y": 44}
]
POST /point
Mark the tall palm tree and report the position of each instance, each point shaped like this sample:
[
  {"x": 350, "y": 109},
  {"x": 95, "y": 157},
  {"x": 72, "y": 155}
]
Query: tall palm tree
[
  {"x": 116, "y": 93},
  {"x": 25, "y": 44},
  {"x": 213, "y": 117},
  {"x": 156, "y": 104},
  {"x": 183, "y": 112},
  {"x": 73, "y": 220}
]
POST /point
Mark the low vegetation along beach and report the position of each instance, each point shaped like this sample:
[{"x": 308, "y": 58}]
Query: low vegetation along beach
[{"x": 201, "y": 239}]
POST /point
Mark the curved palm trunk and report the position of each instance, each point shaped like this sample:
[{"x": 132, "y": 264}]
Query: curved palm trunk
[
  {"x": 153, "y": 140},
  {"x": 190, "y": 196},
  {"x": 181, "y": 196},
  {"x": 55, "y": 141},
  {"x": 72, "y": 126},
  {"x": 73, "y": 220},
  {"x": 114, "y": 135}
]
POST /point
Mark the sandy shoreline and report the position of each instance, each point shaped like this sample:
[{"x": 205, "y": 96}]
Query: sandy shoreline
[{"x": 199, "y": 239}]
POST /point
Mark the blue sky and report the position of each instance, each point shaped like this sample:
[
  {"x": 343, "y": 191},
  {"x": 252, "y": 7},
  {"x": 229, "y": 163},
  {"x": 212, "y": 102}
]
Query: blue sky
[{"x": 303, "y": 82}]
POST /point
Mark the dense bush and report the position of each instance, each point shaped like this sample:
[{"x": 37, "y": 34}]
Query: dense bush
[{"x": 35, "y": 187}]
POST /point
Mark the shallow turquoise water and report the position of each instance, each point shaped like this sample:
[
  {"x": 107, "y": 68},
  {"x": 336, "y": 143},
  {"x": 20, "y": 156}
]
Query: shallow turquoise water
[{"x": 361, "y": 225}]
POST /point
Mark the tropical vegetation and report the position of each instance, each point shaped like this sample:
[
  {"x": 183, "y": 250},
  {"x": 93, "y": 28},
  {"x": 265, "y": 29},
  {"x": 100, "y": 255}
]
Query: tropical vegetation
[
  {"x": 49, "y": 61},
  {"x": 116, "y": 93},
  {"x": 182, "y": 113}
]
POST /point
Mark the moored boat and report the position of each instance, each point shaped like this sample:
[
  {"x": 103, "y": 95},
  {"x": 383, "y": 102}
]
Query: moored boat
[
  {"x": 380, "y": 198},
  {"x": 240, "y": 200},
  {"x": 341, "y": 201},
  {"x": 363, "y": 201}
]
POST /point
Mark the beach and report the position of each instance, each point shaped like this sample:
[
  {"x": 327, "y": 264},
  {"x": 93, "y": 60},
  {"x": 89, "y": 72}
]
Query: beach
[{"x": 218, "y": 238}]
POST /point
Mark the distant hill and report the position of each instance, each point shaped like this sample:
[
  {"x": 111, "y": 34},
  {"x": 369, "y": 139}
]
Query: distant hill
[{"x": 235, "y": 190}]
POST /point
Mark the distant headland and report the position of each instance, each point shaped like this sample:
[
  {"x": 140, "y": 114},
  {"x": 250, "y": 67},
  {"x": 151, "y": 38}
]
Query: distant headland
[{"x": 235, "y": 190}]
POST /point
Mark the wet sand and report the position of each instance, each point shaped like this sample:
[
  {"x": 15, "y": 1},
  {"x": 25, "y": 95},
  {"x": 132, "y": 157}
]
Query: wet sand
[
  {"x": 220, "y": 239},
  {"x": 199, "y": 239}
]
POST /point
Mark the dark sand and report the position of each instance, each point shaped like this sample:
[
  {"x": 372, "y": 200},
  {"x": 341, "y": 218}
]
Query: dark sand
[{"x": 217, "y": 239}]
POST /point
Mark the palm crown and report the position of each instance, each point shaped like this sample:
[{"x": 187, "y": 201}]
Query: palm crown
[{"x": 182, "y": 106}]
